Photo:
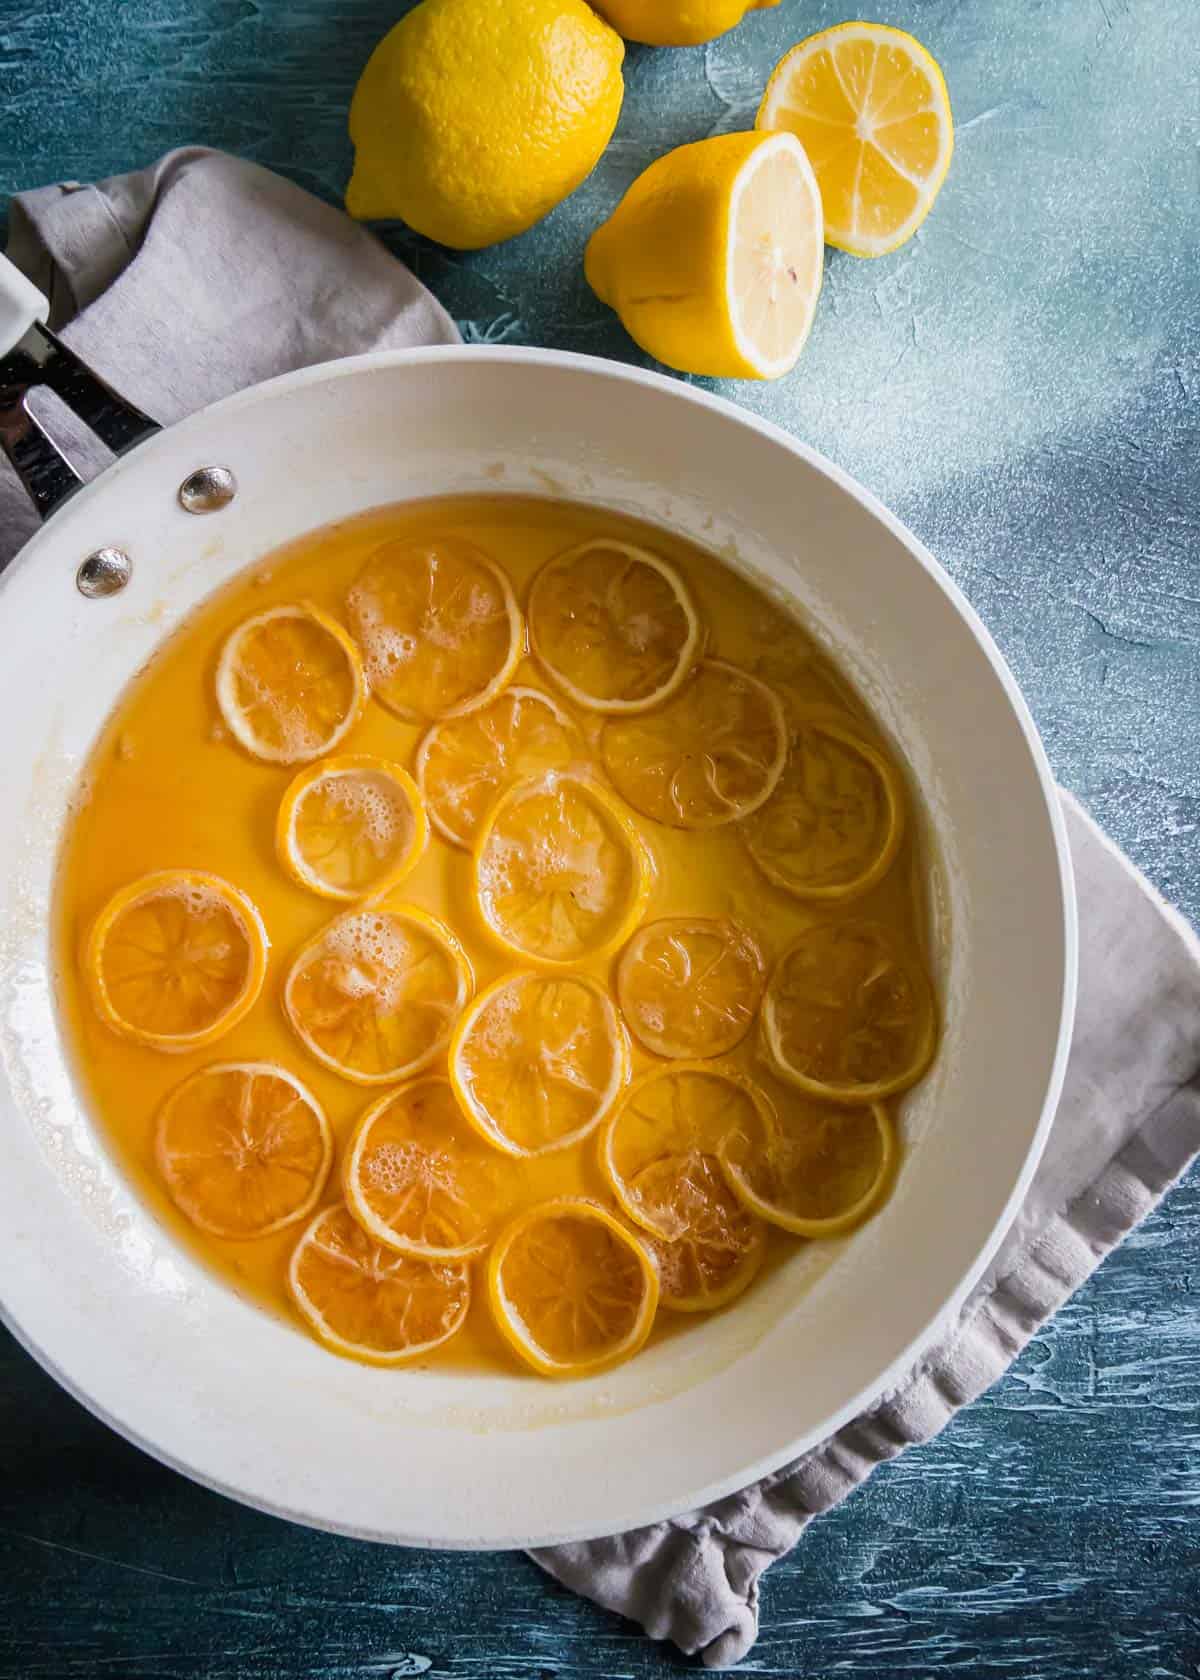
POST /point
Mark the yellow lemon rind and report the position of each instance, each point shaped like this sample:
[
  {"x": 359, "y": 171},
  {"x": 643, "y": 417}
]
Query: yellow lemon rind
[{"x": 506, "y": 1316}]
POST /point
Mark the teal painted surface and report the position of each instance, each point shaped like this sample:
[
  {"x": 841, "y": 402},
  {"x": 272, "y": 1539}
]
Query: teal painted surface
[{"x": 1022, "y": 383}]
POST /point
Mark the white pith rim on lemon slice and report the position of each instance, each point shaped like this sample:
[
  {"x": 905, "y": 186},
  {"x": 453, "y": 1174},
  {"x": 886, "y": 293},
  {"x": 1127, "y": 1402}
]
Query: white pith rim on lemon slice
[
  {"x": 378, "y": 809},
  {"x": 298, "y": 739},
  {"x": 776, "y": 254}
]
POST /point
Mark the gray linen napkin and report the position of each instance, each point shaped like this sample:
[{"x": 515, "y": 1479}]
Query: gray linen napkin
[{"x": 203, "y": 274}]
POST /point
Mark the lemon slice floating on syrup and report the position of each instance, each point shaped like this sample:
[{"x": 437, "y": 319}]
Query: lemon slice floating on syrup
[
  {"x": 711, "y": 755},
  {"x": 175, "y": 959},
  {"x": 439, "y": 627},
  {"x": 823, "y": 1170},
  {"x": 722, "y": 1245},
  {"x": 667, "y": 1122},
  {"x": 368, "y": 1302},
  {"x": 464, "y": 763},
  {"x": 350, "y": 827},
  {"x": 571, "y": 1290},
  {"x": 614, "y": 626},
  {"x": 243, "y": 1148},
  {"x": 419, "y": 1180},
  {"x": 870, "y": 106},
  {"x": 833, "y": 826},
  {"x": 290, "y": 684},
  {"x": 847, "y": 1016},
  {"x": 560, "y": 871},
  {"x": 538, "y": 1060},
  {"x": 376, "y": 994},
  {"x": 690, "y": 986}
]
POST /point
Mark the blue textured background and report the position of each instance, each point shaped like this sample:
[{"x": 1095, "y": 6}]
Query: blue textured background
[{"x": 1022, "y": 384}]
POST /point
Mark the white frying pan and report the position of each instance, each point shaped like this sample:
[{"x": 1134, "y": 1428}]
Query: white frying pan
[{"x": 104, "y": 1296}]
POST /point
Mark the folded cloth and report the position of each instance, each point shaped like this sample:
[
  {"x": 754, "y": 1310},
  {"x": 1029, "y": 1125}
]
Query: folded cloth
[
  {"x": 1128, "y": 1124},
  {"x": 199, "y": 276},
  {"x": 203, "y": 274}
]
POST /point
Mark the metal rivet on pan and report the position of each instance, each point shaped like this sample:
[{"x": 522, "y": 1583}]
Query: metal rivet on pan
[
  {"x": 106, "y": 572},
  {"x": 207, "y": 490}
]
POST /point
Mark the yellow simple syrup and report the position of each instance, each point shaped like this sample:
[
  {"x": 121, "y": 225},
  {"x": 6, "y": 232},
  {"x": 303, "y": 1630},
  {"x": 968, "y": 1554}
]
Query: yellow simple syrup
[{"x": 167, "y": 788}]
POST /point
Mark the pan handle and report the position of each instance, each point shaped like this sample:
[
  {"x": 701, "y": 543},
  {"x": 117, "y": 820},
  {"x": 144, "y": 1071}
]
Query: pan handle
[{"x": 32, "y": 356}]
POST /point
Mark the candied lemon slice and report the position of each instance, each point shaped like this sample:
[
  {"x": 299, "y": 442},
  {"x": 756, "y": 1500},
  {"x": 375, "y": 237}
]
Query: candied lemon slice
[
  {"x": 538, "y": 1060},
  {"x": 419, "y": 1180},
  {"x": 175, "y": 959},
  {"x": 243, "y": 1148},
  {"x": 667, "y": 1120},
  {"x": 560, "y": 871},
  {"x": 614, "y": 626},
  {"x": 871, "y": 108},
  {"x": 439, "y": 627},
  {"x": 367, "y": 1301},
  {"x": 690, "y": 986},
  {"x": 847, "y": 1016},
  {"x": 351, "y": 827},
  {"x": 464, "y": 763},
  {"x": 823, "y": 1170},
  {"x": 572, "y": 1291},
  {"x": 711, "y": 755},
  {"x": 376, "y": 994},
  {"x": 833, "y": 826},
  {"x": 290, "y": 684},
  {"x": 722, "y": 1245}
]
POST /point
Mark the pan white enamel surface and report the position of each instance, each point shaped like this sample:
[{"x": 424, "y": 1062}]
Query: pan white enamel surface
[{"x": 119, "y": 1313}]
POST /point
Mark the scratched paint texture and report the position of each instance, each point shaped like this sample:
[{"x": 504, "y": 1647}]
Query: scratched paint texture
[{"x": 1022, "y": 384}]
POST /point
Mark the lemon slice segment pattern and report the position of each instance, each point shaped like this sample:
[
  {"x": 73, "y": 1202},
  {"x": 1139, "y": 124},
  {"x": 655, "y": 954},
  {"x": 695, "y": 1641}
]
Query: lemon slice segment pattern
[
  {"x": 243, "y": 1148},
  {"x": 823, "y": 1170},
  {"x": 376, "y": 994},
  {"x": 290, "y": 684},
  {"x": 560, "y": 872},
  {"x": 351, "y": 827},
  {"x": 614, "y": 626},
  {"x": 175, "y": 959},
  {"x": 572, "y": 1291},
  {"x": 538, "y": 1060},
  {"x": 369, "y": 1303},
  {"x": 847, "y": 1015},
  {"x": 439, "y": 626},
  {"x": 419, "y": 1180},
  {"x": 690, "y": 986},
  {"x": 722, "y": 1244}
]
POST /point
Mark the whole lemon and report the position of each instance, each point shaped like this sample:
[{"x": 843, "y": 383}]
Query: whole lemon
[
  {"x": 677, "y": 23},
  {"x": 474, "y": 119}
]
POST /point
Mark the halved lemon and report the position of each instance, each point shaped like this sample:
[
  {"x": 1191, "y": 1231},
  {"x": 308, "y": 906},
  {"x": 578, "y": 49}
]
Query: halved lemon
[
  {"x": 370, "y": 1303},
  {"x": 572, "y": 1291},
  {"x": 418, "y": 1179},
  {"x": 711, "y": 755},
  {"x": 290, "y": 684},
  {"x": 871, "y": 108},
  {"x": 824, "y": 1169},
  {"x": 560, "y": 871},
  {"x": 439, "y": 627},
  {"x": 665, "y": 1123},
  {"x": 614, "y": 626},
  {"x": 848, "y": 1016},
  {"x": 464, "y": 763},
  {"x": 175, "y": 959},
  {"x": 351, "y": 827},
  {"x": 833, "y": 826},
  {"x": 376, "y": 994},
  {"x": 538, "y": 1060},
  {"x": 722, "y": 1245},
  {"x": 243, "y": 1148},
  {"x": 690, "y": 986}
]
